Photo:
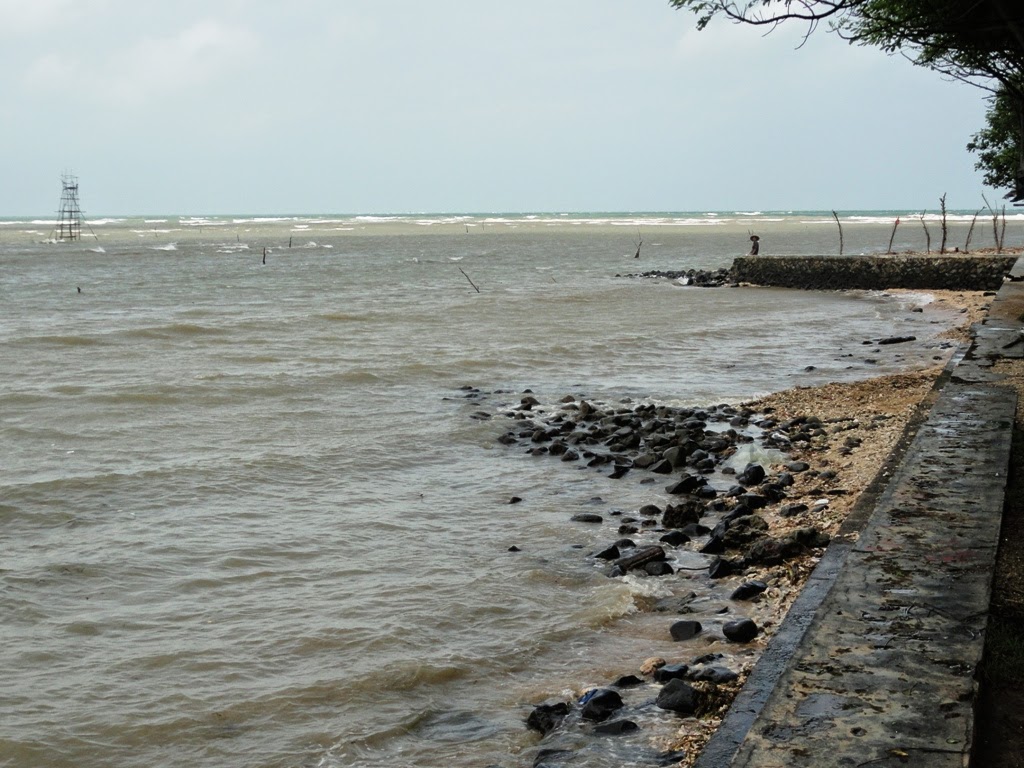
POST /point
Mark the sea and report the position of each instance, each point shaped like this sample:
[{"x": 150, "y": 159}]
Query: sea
[{"x": 253, "y": 506}]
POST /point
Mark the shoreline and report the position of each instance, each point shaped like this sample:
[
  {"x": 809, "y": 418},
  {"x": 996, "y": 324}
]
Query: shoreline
[{"x": 837, "y": 439}]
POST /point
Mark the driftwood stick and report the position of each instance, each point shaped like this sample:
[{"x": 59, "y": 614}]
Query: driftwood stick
[
  {"x": 469, "y": 278},
  {"x": 927, "y": 235}
]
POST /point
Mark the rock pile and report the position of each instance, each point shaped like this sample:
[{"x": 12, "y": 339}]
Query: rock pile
[
  {"x": 715, "y": 507},
  {"x": 700, "y": 278},
  {"x": 687, "y": 445}
]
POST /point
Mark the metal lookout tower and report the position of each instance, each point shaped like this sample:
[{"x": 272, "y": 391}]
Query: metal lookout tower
[{"x": 69, "y": 219}]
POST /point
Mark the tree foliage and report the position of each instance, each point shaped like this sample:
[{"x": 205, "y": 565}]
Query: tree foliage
[
  {"x": 998, "y": 146},
  {"x": 976, "y": 41}
]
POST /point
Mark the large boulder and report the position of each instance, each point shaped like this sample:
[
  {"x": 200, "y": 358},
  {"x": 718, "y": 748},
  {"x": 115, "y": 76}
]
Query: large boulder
[
  {"x": 740, "y": 631},
  {"x": 752, "y": 475},
  {"x": 600, "y": 704},
  {"x": 546, "y": 717},
  {"x": 678, "y": 696},
  {"x": 685, "y": 512},
  {"x": 686, "y": 629}
]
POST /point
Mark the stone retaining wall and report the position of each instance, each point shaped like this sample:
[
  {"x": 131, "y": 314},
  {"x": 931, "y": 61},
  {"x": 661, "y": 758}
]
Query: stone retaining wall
[{"x": 957, "y": 273}]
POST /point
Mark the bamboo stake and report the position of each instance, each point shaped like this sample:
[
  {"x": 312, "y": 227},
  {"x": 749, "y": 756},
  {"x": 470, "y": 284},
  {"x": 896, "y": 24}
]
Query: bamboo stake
[
  {"x": 836, "y": 217},
  {"x": 942, "y": 207},
  {"x": 893, "y": 235}
]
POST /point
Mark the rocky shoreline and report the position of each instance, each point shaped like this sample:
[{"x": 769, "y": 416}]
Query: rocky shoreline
[{"x": 751, "y": 529}]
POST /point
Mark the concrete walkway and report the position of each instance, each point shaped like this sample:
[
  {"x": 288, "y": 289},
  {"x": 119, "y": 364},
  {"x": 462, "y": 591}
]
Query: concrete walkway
[{"x": 875, "y": 663}]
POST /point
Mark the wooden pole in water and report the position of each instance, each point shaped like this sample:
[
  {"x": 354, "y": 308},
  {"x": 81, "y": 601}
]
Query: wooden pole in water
[
  {"x": 836, "y": 217},
  {"x": 469, "y": 278},
  {"x": 893, "y": 235}
]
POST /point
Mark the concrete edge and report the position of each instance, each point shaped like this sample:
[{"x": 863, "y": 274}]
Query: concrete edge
[{"x": 970, "y": 364}]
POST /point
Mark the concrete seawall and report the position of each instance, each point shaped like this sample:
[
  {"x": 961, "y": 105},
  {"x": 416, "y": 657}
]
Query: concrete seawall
[
  {"x": 950, "y": 272},
  {"x": 875, "y": 662}
]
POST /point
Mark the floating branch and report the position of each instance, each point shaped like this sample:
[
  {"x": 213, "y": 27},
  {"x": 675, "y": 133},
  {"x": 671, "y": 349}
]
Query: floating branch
[
  {"x": 641, "y": 242},
  {"x": 836, "y": 217},
  {"x": 469, "y": 278},
  {"x": 893, "y": 235}
]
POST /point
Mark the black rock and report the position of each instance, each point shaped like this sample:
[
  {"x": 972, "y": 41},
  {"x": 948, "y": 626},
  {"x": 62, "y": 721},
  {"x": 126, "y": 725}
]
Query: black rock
[
  {"x": 716, "y": 674},
  {"x": 685, "y": 630},
  {"x": 645, "y": 461},
  {"x": 744, "y": 530},
  {"x": 685, "y": 512},
  {"x": 616, "y": 727},
  {"x": 599, "y": 704},
  {"x": 686, "y": 484},
  {"x": 675, "y": 538},
  {"x": 678, "y": 696},
  {"x": 546, "y": 717},
  {"x": 693, "y": 530},
  {"x": 792, "y": 510},
  {"x": 649, "y": 510},
  {"x": 587, "y": 517},
  {"x": 671, "y": 758},
  {"x": 714, "y": 546},
  {"x": 670, "y": 672},
  {"x": 659, "y": 568},
  {"x": 753, "y": 501},
  {"x": 628, "y": 681},
  {"x": 611, "y": 553},
  {"x": 748, "y": 590},
  {"x": 772, "y": 551},
  {"x": 549, "y": 757},
  {"x": 753, "y": 475},
  {"x": 720, "y": 568},
  {"x": 740, "y": 631},
  {"x": 798, "y": 466}
]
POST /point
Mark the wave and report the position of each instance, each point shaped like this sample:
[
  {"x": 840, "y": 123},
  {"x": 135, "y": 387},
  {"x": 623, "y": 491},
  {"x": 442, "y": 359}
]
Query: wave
[
  {"x": 59, "y": 341},
  {"x": 174, "y": 330},
  {"x": 343, "y": 317}
]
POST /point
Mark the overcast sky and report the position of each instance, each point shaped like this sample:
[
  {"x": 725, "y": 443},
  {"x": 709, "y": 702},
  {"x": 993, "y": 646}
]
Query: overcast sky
[{"x": 339, "y": 106}]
